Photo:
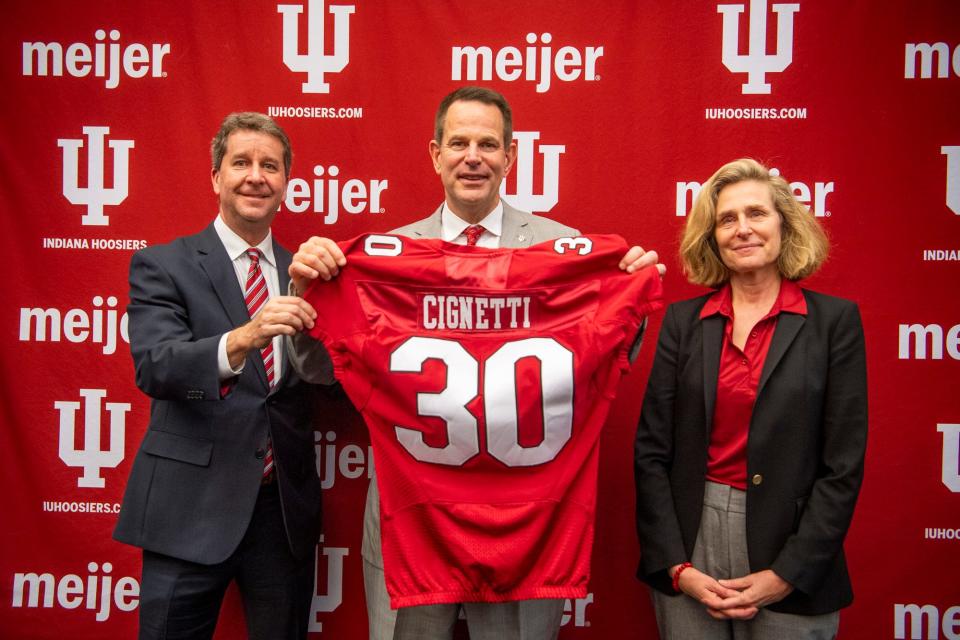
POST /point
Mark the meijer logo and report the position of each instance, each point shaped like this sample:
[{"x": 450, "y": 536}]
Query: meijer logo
[
  {"x": 757, "y": 62},
  {"x": 951, "y": 456},
  {"x": 524, "y": 198},
  {"x": 815, "y": 198},
  {"x": 939, "y": 338},
  {"x": 95, "y": 195},
  {"x": 953, "y": 177},
  {"x": 101, "y": 325},
  {"x": 925, "y": 52},
  {"x": 136, "y": 60},
  {"x": 95, "y": 591},
  {"x": 316, "y": 62},
  {"x": 924, "y": 622},
  {"x": 355, "y": 196},
  {"x": 333, "y": 598},
  {"x": 91, "y": 457},
  {"x": 510, "y": 63}
]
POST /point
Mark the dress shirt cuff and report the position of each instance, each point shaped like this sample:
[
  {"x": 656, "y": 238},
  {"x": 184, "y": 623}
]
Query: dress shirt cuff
[{"x": 224, "y": 370}]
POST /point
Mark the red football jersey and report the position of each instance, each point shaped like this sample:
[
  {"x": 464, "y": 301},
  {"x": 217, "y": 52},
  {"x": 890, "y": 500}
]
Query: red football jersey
[{"x": 484, "y": 376}]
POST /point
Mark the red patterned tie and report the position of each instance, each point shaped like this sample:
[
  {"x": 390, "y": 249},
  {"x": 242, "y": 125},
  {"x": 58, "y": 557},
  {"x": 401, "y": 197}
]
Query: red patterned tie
[
  {"x": 256, "y": 295},
  {"x": 473, "y": 233}
]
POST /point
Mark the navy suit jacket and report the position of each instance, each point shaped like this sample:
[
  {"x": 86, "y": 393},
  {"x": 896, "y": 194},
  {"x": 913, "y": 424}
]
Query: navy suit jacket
[
  {"x": 196, "y": 476},
  {"x": 805, "y": 448}
]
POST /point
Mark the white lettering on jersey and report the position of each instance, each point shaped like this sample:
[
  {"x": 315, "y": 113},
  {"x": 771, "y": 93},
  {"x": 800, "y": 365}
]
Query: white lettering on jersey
[
  {"x": 500, "y": 400},
  {"x": 472, "y": 313},
  {"x": 581, "y": 245},
  {"x": 388, "y": 246},
  {"x": 449, "y": 405}
]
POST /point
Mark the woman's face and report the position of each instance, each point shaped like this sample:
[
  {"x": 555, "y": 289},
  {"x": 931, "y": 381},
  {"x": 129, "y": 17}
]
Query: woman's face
[{"x": 748, "y": 228}]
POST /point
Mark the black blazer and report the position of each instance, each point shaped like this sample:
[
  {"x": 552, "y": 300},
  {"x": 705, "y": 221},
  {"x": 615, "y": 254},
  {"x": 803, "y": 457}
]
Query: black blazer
[
  {"x": 805, "y": 448},
  {"x": 195, "y": 479}
]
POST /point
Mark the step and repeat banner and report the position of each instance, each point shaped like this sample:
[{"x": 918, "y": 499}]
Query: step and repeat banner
[{"x": 622, "y": 110}]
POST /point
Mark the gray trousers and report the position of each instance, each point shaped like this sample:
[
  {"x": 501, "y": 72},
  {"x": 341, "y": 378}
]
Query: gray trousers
[
  {"x": 721, "y": 552},
  {"x": 380, "y": 617},
  {"x": 521, "y": 620}
]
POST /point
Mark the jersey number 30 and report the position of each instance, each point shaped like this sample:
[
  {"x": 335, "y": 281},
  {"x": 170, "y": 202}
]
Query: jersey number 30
[{"x": 500, "y": 400}]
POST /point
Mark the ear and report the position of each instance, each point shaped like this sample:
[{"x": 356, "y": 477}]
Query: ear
[
  {"x": 511, "y": 153},
  {"x": 215, "y": 180},
  {"x": 435, "y": 155}
]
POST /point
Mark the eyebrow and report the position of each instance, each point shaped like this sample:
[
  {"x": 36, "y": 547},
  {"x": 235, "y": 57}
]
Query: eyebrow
[{"x": 752, "y": 205}]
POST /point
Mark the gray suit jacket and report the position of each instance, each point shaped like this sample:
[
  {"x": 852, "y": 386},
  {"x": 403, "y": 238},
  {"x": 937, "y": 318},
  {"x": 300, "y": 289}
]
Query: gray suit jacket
[
  {"x": 520, "y": 229},
  {"x": 197, "y": 474}
]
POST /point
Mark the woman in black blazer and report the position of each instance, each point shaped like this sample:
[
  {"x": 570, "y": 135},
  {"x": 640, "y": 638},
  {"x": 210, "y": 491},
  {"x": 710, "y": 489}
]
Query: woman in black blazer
[{"x": 749, "y": 453}]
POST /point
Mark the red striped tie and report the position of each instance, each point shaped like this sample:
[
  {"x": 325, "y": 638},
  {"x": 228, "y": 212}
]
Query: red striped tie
[
  {"x": 256, "y": 295},
  {"x": 473, "y": 233}
]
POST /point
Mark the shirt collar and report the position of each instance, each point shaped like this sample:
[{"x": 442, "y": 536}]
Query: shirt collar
[
  {"x": 237, "y": 246},
  {"x": 453, "y": 225},
  {"x": 790, "y": 299}
]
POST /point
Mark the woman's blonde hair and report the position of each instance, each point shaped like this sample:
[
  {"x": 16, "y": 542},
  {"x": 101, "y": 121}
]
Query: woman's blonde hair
[{"x": 803, "y": 243}]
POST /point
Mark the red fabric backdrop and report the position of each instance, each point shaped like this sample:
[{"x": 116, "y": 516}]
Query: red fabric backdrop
[{"x": 109, "y": 112}]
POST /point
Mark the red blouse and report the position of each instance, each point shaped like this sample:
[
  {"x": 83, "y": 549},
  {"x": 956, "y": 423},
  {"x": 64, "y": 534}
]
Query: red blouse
[{"x": 737, "y": 382}]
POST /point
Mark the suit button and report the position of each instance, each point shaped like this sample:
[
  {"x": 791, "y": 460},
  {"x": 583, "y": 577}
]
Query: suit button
[
  {"x": 757, "y": 479},
  {"x": 259, "y": 453}
]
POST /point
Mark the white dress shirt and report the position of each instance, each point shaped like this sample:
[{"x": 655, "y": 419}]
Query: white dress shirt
[
  {"x": 452, "y": 227},
  {"x": 237, "y": 250}
]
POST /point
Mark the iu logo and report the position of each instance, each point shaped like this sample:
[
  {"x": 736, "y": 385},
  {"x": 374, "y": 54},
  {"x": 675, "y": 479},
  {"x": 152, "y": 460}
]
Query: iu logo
[
  {"x": 334, "y": 591},
  {"x": 95, "y": 195},
  {"x": 951, "y": 456},
  {"x": 315, "y": 62},
  {"x": 953, "y": 176},
  {"x": 757, "y": 62},
  {"x": 524, "y": 198},
  {"x": 91, "y": 457}
]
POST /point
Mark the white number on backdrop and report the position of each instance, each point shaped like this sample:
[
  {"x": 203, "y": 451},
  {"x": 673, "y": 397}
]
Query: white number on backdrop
[{"x": 500, "y": 397}]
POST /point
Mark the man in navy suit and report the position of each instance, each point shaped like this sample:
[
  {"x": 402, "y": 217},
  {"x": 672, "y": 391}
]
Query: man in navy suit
[{"x": 224, "y": 486}]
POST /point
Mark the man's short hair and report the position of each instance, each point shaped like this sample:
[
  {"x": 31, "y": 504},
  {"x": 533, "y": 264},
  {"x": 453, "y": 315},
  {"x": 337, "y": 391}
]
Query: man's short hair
[
  {"x": 475, "y": 94},
  {"x": 803, "y": 243},
  {"x": 249, "y": 121}
]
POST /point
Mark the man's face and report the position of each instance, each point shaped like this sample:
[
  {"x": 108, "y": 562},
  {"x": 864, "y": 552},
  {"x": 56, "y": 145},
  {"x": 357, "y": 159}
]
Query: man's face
[
  {"x": 472, "y": 160},
  {"x": 250, "y": 182}
]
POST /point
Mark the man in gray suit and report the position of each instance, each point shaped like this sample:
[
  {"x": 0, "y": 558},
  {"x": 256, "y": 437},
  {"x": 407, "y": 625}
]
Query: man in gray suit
[
  {"x": 472, "y": 151},
  {"x": 224, "y": 487}
]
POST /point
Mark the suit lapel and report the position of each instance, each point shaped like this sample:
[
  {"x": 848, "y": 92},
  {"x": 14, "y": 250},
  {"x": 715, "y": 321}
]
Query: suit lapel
[
  {"x": 283, "y": 266},
  {"x": 223, "y": 278},
  {"x": 788, "y": 326},
  {"x": 216, "y": 264},
  {"x": 712, "y": 328},
  {"x": 429, "y": 227},
  {"x": 515, "y": 232},
  {"x": 283, "y": 258}
]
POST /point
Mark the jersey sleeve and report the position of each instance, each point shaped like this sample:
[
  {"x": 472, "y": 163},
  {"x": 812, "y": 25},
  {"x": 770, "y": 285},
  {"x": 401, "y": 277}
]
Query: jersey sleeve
[{"x": 620, "y": 300}]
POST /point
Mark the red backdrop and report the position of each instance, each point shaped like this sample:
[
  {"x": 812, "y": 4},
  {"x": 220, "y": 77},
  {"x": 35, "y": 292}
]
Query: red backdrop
[{"x": 619, "y": 106}]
